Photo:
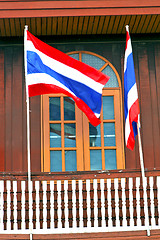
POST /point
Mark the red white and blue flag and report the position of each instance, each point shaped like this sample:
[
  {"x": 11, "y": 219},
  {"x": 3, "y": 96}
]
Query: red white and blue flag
[
  {"x": 52, "y": 71},
  {"x": 131, "y": 103}
]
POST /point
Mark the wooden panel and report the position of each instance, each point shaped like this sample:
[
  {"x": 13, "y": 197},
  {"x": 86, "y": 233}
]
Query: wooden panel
[
  {"x": 49, "y": 26},
  {"x": 95, "y": 25},
  {"x": 85, "y": 25},
  {"x": 100, "y": 25},
  {"x": 17, "y": 142},
  {"x": 145, "y": 106},
  {"x": 75, "y": 24},
  {"x": 8, "y": 107},
  {"x": 156, "y": 24},
  {"x": 154, "y": 104},
  {"x": 2, "y": 112},
  {"x": 64, "y": 25},
  {"x": 116, "y": 24},
  {"x": 54, "y": 26},
  {"x": 59, "y": 29},
  {"x": 35, "y": 118},
  {"x": 44, "y": 26},
  {"x": 105, "y": 26},
  {"x": 90, "y": 25},
  {"x": 70, "y": 23},
  {"x": 157, "y": 79}
]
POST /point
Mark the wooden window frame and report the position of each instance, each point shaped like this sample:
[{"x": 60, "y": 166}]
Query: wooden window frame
[{"x": 83, "y": 162}]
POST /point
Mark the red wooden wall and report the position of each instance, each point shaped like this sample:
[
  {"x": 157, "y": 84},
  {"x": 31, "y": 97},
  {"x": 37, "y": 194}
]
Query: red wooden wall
[{"x": 13, "y": 141}]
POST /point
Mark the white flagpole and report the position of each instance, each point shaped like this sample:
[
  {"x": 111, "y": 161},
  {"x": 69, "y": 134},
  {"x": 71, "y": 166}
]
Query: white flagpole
[
  {"x": 28, "y": 139},
  {"x": 143, "y": 180}
]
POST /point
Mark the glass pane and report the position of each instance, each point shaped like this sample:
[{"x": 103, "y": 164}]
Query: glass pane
[
  {"x": 55, "y": 161},
  {"x": 55, "y": 135},
  {"x": 109, "y": 134},
  {"x": 94, "y": 136},
  {"x": 69, "y": 109},
  {"x": 75, "y": 56},
  {"x": 92, "y": 60},
  {"x": 70, "y": 161},
  {"x": 95, "y": 160},
  {"x": 108, "y": 107},
  {"x": 70, "y": 134},
  {"x": 54, "y": 109},
  {"x": 110, "y": 160},
  {"x": 113, "y": 82}
]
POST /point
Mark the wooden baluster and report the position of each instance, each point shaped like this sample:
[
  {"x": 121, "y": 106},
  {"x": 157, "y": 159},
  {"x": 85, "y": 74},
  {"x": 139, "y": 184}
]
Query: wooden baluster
[
  {"x": 153, "y": 222},
  {"x": 15, "y": 204},
  {"x": 102, "y": 203},
  {"x": 52, "y": 204},
  {"x": 158, "y": 198},
  {"x": 123, "y": 202},
  {"x": 138, "y": 201},
  {"x": 74, "y": 203},
  {"x": 116, "y": 202},
  {"x": 88, "y": 204},
  {"x": 45, "y": 205},
  {"x": 110, "y": 224},
  {"x": 59, "y": 204},
  {"x": 95, "y": 204},
  {"x": 37, "y": 206},
  {"x": 23, "y": 184},
  {"x": 8, "y": 205},
  {"x": 1, "y": 205},
  {"x": 66, "y": 204},
  {"x": 80, "y": 204},
  {"x": 131, "y": 202}
]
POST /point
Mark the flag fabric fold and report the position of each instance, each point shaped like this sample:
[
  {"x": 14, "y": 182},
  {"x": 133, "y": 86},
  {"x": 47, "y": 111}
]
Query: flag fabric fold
[
  {"x": 131, "y": 103},
  {"x": 52, "y": 71}
]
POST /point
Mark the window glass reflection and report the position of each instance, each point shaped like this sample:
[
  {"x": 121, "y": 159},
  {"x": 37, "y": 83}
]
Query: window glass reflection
[
  {"x": 108, "y": 107},
  {"x": 69, "y": 109},
  {"x": 109, "y": 134},
  {"x": 94, "y": 136},
  {"x": 55, "y": 161},
  {"x": 70, "y": 161},
  {"x": 55, "y": 135},
  {"x": 95, "y": 160},
  {"x": 54, "y": 109},
  {"x": 70, "y": 134},
  {"x": 110, "y": 160}
]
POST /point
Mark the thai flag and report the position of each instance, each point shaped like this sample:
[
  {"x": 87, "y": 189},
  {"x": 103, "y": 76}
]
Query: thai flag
[
  {"x": 131, "y": 103},
  {"x": 52, "y": 71}
]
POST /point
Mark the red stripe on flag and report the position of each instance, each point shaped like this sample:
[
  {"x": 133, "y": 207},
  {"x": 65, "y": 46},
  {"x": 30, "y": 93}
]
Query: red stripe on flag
[{"x": 49, "y": 88}]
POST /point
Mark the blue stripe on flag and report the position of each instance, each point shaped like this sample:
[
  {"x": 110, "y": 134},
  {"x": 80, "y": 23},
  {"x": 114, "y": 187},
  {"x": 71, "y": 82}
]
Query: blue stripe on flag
[
  {"x": 129, "y": 81},
  {"x": 88, "y": 95}
]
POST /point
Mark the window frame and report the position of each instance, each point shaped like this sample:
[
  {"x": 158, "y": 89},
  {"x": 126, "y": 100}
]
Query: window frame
[{"x": 83, "y": 164}]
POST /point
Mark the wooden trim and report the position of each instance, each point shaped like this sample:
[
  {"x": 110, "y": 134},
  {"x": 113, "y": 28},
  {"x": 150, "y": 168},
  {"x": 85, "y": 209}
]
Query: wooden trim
[
  {"x": 22, "y": 9},
  {"x": 45, "y": 107},
  {"x": 78, "y": 175},
  {"x": 2, "y": 113}
]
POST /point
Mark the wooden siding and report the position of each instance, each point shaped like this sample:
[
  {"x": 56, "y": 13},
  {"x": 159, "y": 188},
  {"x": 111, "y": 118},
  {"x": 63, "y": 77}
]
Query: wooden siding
[
  {"x": 13, "y": 106},
  {"x": 80, "y": 25}
]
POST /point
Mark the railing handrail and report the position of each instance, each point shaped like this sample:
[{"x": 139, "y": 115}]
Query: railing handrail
[{"x": 77, "y": 175}]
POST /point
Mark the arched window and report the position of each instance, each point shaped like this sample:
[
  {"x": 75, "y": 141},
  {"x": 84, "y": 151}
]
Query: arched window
[{"x": 69, "y": 141}]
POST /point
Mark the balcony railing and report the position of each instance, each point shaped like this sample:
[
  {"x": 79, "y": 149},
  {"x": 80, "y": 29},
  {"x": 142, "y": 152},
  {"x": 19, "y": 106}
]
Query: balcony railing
[{"x": 79, "y": 202}]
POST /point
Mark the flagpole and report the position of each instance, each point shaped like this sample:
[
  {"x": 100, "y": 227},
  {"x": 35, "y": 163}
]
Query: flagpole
[
  {"x": 143, "y": 179},
  {"x": 28, "y": 139}
]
